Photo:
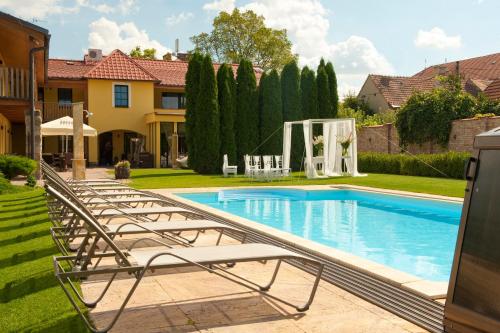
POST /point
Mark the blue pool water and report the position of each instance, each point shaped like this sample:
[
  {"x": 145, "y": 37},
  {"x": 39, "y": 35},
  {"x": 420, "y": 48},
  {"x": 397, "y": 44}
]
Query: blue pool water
[{"x": 416, "y": 236}]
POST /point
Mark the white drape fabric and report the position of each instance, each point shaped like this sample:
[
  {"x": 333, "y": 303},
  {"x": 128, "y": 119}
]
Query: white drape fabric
[
  {"x": 334, "y": 131},
  {"x": 310, "y": 168},
  {"x": 287, "y": 145}
]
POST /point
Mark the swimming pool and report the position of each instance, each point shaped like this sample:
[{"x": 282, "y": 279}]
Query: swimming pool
[{"x": 413, "y": 235}]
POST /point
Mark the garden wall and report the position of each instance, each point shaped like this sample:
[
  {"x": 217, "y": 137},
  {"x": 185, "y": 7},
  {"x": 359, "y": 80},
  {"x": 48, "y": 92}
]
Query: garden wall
[{"x": 385, "y": 139}]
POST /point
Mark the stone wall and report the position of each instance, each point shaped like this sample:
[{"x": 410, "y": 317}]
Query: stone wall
[{"x": 385, "y": 139}]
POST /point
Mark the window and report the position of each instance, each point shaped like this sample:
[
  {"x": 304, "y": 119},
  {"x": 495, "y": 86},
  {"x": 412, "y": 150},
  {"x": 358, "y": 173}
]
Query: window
[
  {"x": 121, "y": 96},
  {"x": 65, "y": 95},
  {"x": 172, "y": 100}
]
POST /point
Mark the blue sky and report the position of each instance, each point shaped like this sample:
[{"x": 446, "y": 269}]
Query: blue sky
[{"x": 394, "y": 37}]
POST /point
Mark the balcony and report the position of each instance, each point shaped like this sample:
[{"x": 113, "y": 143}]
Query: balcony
[
  {"x": 14, "y": 83},
  {"x": 52, "y": 111}
]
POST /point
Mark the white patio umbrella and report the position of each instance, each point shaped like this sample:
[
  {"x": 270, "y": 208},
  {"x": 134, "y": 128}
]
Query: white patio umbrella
[{"x": 64, "y": 126}]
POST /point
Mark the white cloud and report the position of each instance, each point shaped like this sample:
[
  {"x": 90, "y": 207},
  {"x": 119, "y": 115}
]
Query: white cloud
[
  {"x": 220, "y": 5},
  {"x": 40, "y": 9},
  {"x": 437, "y": 38},
  {"x": 36, "y": 9},
  {"x": 176, "y": 19},
  {"x": 108, "y": 35},
  {"x": 307, "y": 25}
]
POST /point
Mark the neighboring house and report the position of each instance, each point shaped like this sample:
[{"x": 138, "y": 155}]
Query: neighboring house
[
  {"x": 128, "y": 99},
  {"x": 383, "y": 92},
  {"x": 21, "y": 44},
  {"x": 492, "y": 91}
]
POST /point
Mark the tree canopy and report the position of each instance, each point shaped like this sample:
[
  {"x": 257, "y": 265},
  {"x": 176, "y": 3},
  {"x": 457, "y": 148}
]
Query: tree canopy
[
  {"x": 427, "y": 116},
  {"x": 308, "y": 94},
  {"x": 144, "y": 54},
  {"x": 324, "y": 100},
  {"x": 244, "y": 35},
  {"x": 247, "y": 119},
  {"x": 227, "y": 102},
  {"x": 332, "y": 84},
  {"x": 207, "y": 138},
  {"x": 271, "y": 116},
  {"x": 192, "y": 88}
]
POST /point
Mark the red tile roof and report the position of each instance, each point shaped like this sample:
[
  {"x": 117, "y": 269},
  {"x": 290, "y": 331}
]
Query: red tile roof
[
  {"x": 475, "y": 73},
  {"x": 119, "y": 66},
  {"x": 68, "y": 69},
  {"x": 493, "y": 90}
]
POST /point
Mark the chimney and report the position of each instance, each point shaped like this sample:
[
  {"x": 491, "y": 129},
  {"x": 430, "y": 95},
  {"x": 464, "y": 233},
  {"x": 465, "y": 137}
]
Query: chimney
[
  {"x": 167, "y": 56},
  {"x": 457, "y": 68},
  {"x": 176, "y": 46},
  {"x": 94, "y": 55}
]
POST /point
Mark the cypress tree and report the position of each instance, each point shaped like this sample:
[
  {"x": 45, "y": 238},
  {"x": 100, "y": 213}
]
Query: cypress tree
[
  {"x": 260, "y": 106},
  {"x": 308, "y": 94},
  {"x": 207, "y": 139},
  {"x": 290, "y": 96},
  {"x": 226, "y": 90},
  {"x": 332, "y": 83},
  {"x": 324, "y": 102},
  {"x": 192, "y": 85},
  {"x": 271, "y": 116},
  {"x": 247, "y": 118}
]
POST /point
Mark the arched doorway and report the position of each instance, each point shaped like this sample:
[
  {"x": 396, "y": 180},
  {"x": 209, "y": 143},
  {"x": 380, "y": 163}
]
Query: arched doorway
[{"x": 119, "y": 145}]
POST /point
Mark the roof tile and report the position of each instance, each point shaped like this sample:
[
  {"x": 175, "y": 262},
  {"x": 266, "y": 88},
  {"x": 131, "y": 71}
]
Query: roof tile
[{"x": 119, "y": 66}]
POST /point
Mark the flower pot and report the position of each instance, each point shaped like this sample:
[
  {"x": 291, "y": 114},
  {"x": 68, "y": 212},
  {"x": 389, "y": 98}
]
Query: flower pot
[{"x": 122, "y": 172}]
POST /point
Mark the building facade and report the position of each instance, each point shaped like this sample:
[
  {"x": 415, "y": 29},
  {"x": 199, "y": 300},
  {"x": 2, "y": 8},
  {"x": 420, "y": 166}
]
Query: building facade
[{"x": 136, "y": 105}]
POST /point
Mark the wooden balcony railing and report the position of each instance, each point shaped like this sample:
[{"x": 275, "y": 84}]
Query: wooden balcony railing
[
  {"x": 51, "y": 111},
  {"x": 14, "y": 83}
]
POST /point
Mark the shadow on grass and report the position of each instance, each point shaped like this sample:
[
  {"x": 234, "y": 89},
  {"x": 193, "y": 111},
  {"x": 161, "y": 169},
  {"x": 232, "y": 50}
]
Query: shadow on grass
[
  {"x": 37, "y": 211},
  {"x": 164, "y": 175},
  {"x": 20, "y": 288},
  {"x": 24, "y": 224},
  {"x": 12, "y": 209},
  {"x": 23, "y": 237},
  {"x": 19, "y": 258},
  {"x": 27, "y": 201}
]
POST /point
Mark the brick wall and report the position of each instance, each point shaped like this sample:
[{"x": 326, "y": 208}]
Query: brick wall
[{"x": 385, "y": 139}]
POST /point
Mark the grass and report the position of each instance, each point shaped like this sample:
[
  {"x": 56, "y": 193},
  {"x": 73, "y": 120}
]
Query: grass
[
  {"x": 169, "y": 178},
  {"x": 30, "y": 298}
]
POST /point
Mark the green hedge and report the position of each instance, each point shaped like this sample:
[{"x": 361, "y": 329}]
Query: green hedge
[
  {"x": 451, "y": 164},
  {"x": 12, "y": 165}
]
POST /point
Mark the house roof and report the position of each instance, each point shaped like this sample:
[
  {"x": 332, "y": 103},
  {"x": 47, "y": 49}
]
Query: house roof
[
  {"x": 119, "y": 66},
  {"x": 493, "y": 90},
  {"x": 476, "y": 74}
]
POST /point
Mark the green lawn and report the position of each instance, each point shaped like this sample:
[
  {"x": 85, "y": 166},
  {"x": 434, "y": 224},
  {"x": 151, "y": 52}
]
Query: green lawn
[
  {"x": 30, "y": 298},
  {"x": 169, "y": 178}
]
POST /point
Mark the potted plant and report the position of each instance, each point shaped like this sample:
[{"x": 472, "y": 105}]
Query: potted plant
[
  {"x": 122, "y": 170},
  {"x": 318, "y": 145}
]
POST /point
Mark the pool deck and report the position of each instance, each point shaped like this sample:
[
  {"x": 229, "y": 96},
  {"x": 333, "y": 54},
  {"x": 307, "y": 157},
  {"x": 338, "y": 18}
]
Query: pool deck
[
  {"x": 429, "y": 289},
  {"x": 191, "y": 300}
]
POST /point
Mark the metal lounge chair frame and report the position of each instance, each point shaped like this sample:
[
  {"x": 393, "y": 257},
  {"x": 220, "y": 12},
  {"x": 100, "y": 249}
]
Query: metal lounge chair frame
[{"x": 137, "y": 271}]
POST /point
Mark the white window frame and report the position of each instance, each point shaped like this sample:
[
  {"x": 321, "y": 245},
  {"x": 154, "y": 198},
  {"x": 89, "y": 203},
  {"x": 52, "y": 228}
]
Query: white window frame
[{"x": 129, "y": 94}]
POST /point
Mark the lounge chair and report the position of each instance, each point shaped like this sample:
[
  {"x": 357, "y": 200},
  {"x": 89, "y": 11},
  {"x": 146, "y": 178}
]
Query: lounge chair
[{"x": 136, "y": 262}]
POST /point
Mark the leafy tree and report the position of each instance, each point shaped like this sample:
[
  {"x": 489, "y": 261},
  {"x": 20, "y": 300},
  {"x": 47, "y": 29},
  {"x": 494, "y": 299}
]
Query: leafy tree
[
  {"x": 324, "y": 101},
  {"x": 332, "y": 83},
  {"x": 271, "y": 116},
  {"x": 427, "y": 116},
  {"x": 226, "y": 92},
  {"x": 192, "y": 88},
  {"x": 290, "y": 96},
  {"x": 484, "y": 105},
  {"x": 243, "y": 35},
  {"x": 308, "y": 94},
  {"x": 353, "y": 102},
  {"x": 207, "y": 138},
  {"x": 146, "y": 54},
  {"x": 247, "y": 120}
]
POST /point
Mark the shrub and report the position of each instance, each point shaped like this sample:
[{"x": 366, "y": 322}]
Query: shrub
[
  {"x": 5, "y": 185},
  {"x": 123, "y": 164},
  {"x": 31, "y": 181},
  {"x": 12, "y": 166},
  {"x": 450, "y": 164}
]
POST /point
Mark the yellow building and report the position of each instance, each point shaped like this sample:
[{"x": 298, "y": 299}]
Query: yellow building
[{"x": 136, "y": 106}]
